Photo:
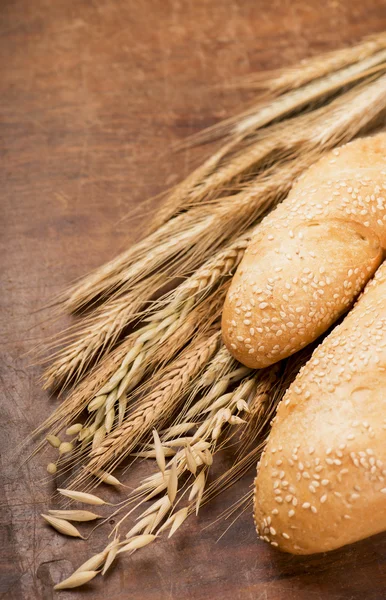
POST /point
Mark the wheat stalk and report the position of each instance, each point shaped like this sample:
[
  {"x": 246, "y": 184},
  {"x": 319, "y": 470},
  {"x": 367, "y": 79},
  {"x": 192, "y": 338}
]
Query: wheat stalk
[
  {"x": 235, "y": 213},
  {"x": 264, "y": 113},
  {"x": 288, "y": 78},
  {"x": 102, "y": 328},
  {"x": 348, "y": 115},
  {"x": 287, "y": 140},
  {"x": 107, "y": 410},
  {"x": 200, "y": 184},
  {"x": 199, "y": 397}
]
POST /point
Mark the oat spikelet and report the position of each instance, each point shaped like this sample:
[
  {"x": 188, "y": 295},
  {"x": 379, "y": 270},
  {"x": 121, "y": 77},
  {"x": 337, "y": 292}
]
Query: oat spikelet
[
  {"x": 159, "y": 405},
  {"x": 76, "y": 580},
  {"x": 74, "y": 515},
  {"x": 137, "y": 542},
  {"x": 62, "y": 526},
  {"x": 82, "y": 497}
]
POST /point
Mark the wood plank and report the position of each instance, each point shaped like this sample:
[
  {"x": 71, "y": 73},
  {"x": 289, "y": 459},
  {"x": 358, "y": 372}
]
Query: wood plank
[{"x": 93, "y": 93}]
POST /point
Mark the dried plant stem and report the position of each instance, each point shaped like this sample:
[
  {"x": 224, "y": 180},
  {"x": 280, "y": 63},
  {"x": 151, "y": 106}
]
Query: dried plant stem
[{"x": 231, "y": 214}]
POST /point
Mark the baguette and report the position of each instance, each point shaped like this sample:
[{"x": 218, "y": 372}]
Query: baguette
[
  {"x": 311, "y": 257},
  {"x": 321, "y": 483}
]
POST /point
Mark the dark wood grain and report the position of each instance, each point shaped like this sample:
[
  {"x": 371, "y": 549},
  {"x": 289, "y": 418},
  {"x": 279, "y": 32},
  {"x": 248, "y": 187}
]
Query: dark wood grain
[{"x": 92, "y": 94}]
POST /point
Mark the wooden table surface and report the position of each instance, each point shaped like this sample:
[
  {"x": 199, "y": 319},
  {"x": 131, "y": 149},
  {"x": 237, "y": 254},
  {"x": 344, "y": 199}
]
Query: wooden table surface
[{"x": 93, "y": 92}]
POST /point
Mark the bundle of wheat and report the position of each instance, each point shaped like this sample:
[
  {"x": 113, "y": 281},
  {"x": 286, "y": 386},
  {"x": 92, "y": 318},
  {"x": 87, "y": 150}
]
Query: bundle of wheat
[{"x": 167, "y": 389}]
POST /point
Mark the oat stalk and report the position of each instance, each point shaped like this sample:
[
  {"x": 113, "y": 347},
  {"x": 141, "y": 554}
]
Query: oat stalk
[{"x": 156, "y": 407}]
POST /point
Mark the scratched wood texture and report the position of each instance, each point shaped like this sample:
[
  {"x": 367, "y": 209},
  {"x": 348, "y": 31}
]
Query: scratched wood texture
[{"x": 92, "y": 93}]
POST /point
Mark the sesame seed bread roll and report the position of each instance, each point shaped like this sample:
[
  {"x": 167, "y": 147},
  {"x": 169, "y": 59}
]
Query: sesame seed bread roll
[
  {"x": 310, "y": 257},
  {"x": 321, "y": 482}
]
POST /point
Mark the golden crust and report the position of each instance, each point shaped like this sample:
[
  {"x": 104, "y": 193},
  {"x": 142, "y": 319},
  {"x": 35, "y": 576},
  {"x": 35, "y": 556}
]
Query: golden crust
[
  {"x": 322, "y": 479},
  {"x": 310, "y": 257}
]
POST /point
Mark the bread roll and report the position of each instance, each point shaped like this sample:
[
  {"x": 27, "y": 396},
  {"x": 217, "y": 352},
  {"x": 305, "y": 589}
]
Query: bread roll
[
  {"x": 310, "y": 257},
  {"x": 321, "y": 483}
]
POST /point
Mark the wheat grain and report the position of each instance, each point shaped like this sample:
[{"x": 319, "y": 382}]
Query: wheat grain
[
  {"x": 74, "y": 429},
  {"x": 137, "y": 542},
  {"x": 65, "y": 447},
  {"x": 76, "y": 580},
  {"x": 62, "y": 526},
  {"x": 111, "y": 556},
  {"x": 54, "y": 440},
  {"x": 82, "y": 497},
  {"x": 74, "y": 515}
]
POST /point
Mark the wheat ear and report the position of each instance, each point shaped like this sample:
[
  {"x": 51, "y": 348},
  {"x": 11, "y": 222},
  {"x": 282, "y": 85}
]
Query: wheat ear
[
  {"x": 294, "y": 76},
  {"x": 102, "y": 328},
  {"x": 134, "y": 359},
  {"x": 198, "y": 184},
  {"x": 88, "y": 341},
  {"x": 349, "y": 114},
  {"x": 159, "y": 245},
  {"x": 285, "y": 140},
  {"x": 148, "y": 253},
  {"x": 266, "y": 112}
]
